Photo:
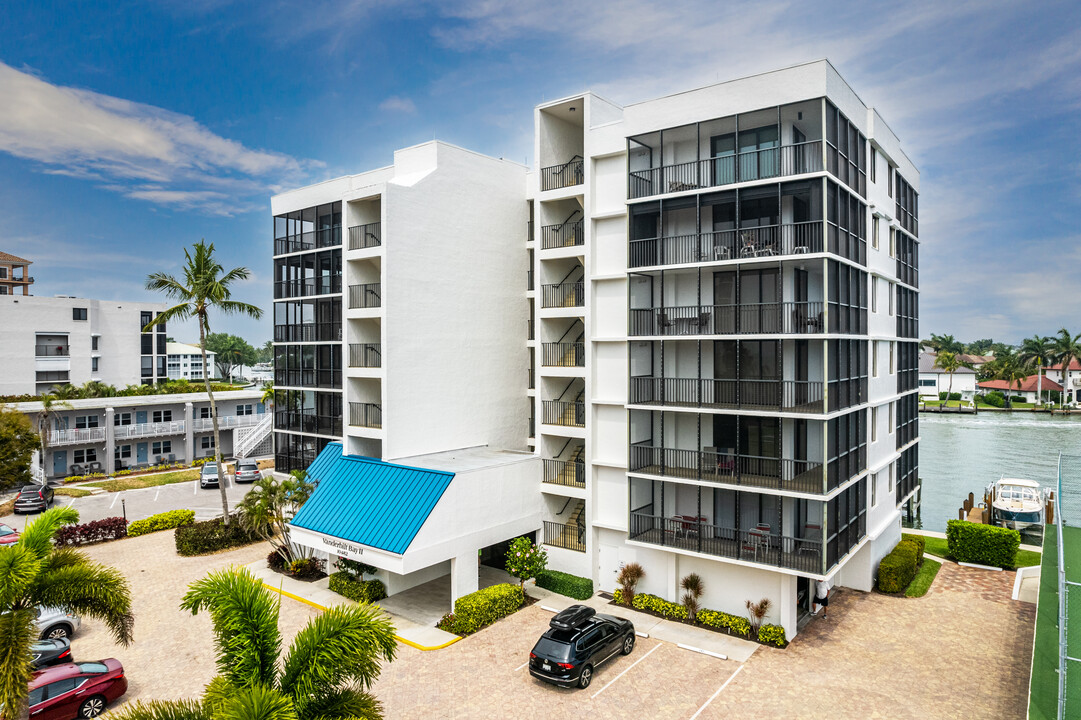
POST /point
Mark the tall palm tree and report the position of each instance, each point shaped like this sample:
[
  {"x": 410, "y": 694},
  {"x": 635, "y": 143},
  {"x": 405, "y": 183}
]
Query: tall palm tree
[
  {"x": 34, "y": 572},
  {"x": 268, "y": 395},
  {"x": 205, "y": 287},
  {"x": 1065, "y": 349},
  {"x": 944, "y": 343},
  {"x": 949, "y": 363},
  {"x": 325, "y": 675},
  {"x": 50, "y": 402},
  {"x": 1036, "y": 351},
  {"x": 1010, "y": 369}
]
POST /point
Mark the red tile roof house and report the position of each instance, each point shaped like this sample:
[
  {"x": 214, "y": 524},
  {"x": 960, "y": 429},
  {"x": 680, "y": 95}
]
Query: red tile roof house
[{"x": 1027, "y": 389}]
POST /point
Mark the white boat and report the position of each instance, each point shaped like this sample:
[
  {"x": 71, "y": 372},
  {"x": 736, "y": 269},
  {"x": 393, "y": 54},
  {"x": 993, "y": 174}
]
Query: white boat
[{"x": 1017, "y": 504}]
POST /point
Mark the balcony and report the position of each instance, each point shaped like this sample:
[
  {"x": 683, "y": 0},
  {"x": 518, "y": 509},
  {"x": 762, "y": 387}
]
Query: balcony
[
  {"x": 568, "y": 174},
  {"x": 308, "y": 377},
  {"x": 567, "y": 234},
  {"x": 568, "y": 473},
  {"x": 311, "y": 240},
  {"x": 310, "y": 332},
  {"x": 563, "y": 354},
  {"x": 364, "y": 296},
  {"x": 758, "y": 545},
  {"x": 559, "y": 412},
  {"x": 569, "y": 536},
  {"x": 773, "y": 241},
  {"x": 529, "y": 280},
  {"x": 369, "y": 415},
  {"x": 362, "y": 237},
  {"x": 708, "y": 465},
  {"x": 747, "y": 394},
  {"x": 529, "y": 231},
  {"x": 148, "y": 429},
  {"x": 786, "y": 318},
  {"x": 76, "y": 437},
  {"x": 365, "y": 355},
  {"x": 226, "y": 422},
  {"x": 760, "y": 164},
  {"x": 307, "y": 421},
  {"x": 51, "y": 350},
  {"x": 306, "y": 287},
  {"x": 563, "y": 295}
]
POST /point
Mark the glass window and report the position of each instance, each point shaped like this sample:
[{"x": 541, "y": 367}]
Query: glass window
[
  {"x": 59, "y": 687},
  {"x": 78, "y": 313},
  {"x": 94, "y": 364},
  {"x": 163, "y": 416},
  {"x": 86, "y": 421},
  {"x": 94, "y": 342},
  {"x": 122, "y": 451},
  {"x": 123, "y": 418},
  {"x": 245, "y": 410},
  {"x": 144, "y": 319}
]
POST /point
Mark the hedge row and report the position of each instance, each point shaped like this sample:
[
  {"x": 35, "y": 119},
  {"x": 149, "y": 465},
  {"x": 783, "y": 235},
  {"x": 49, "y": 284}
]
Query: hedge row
[
  {"x": 734, "y": 624},
  {"x": 210, "y": 536},
  {"x": 483, "y": 607},
  {"x": 579, "y": 588},
  {"x": 161, "y": 521},
  {"x": 716, "y": 619},
  {"x": 897, "y": 569},
  {"x": 982, "y": 544},
  {"x": 112, "y": 528},
  {"x": 347, "y": 585}
]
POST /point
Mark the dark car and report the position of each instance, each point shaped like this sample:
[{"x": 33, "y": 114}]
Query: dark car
[
  {"x": 8, "y": 535},
  {"x": 247, "y": 471},
  {"x": 34, "y": 498},
  {"x": 76, "y": 690},
  {"x": 50, "y": 652},
  {"x": 578, "y": 641}
]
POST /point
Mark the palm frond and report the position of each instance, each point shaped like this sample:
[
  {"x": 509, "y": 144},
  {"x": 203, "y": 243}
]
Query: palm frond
[
  {"x": 215, "y": 694},
  {"x": 344, "y": 644},
  {"x": 182, "y": 311},
  {"x": 17, "y": 631},
  {"x": 64, "y": 557},
  {"x": 161, "y": 710},
  {"x": 167, "y": 284},
  {"x": 97, "y": 591},
  {"x": 245, "y": 619},
  {"x": 233, "y": 307},
  {"x": 257, "y": 702},
  {"x": 18, "y": 568},
  {"x": 38, "y": 535},
  {"x": 348, "y": 703}
]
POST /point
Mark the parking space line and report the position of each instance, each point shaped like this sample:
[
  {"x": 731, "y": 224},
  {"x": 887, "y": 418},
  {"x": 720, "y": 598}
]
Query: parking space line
[
  {"x": 196, "y": 488},
  {"x": 521, "y": 666},
  {"x": 156, "y": 495},
  {"x": 617, "y": 677},
  {"x": 714, "y": 695},
  {"x": 114, "y": 501}
]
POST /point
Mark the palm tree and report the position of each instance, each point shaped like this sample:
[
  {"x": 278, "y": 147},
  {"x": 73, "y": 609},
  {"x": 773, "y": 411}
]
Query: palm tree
[
  {"x": 33, "y": 573},
  {"x": 949, "y": 363},
  {"x": 944, "y": 343},
  {"x": 326, "y": 673},
  {"x": 1010, "y": 369},
  {"x": 205, "y": 287},
  {"x": 1036, "y": 351},
  {"x": 1065, "y": 349},
  {"x": 268, "y": 395},
  {"x": 50, "y": 402},
  {"x": 67, "y": 392}
]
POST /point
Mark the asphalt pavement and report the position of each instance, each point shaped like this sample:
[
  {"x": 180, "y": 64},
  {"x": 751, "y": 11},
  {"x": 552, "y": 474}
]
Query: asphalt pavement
[{"x": 138, "y": 504}]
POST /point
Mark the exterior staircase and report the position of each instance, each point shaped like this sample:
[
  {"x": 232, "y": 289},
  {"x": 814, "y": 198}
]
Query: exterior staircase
[
  {"x": 255, "y": 439},
  {"x": 576, "y": 525}
]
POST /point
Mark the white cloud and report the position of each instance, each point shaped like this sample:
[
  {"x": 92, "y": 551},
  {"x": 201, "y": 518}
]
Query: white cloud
[{"x": 398, "y": 104}]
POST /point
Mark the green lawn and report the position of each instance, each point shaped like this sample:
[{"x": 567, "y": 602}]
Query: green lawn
[
  {"x": 72, "y": 492},
  {"x": 922, "y": 582},
  {"x": 950, "y": 404},
  {"x": 937, "y": 546},
  {"x": 145, "y": 481}
]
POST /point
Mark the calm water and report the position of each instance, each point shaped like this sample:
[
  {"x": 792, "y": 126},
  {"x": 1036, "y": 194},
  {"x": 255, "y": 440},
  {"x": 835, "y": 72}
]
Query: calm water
[{"x": 960, "y": 454}]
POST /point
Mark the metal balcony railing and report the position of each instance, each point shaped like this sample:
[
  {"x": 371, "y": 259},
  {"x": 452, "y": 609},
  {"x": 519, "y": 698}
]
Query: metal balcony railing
[
  {"x": 324, "y": 285},
  {"x": 365, "y": 236},
  {"x": 569, "y": 473},
  {"x": 568, "y": 537},
  {"x": 307, "y": 421},
  {"x": 325, "y": 237},
  {"x": 568, "y": 174},
  {"x": 806, "y": 476},
  {"x": 564, "y": 354},
  {"x": 559, "y": 412},
  {"x": 365, "y": 355},
  {"x": 751, "y": 394},
  {"x": 563, "y": 235},
  {"x": 747, "y": 243},
  {"x": 568, "y": 294},
  {"x": 51, "y": 350},
  {"x": 312, "y": 332},
  {"x": 175, "y": 427},
  {"x": 364, "y": 296},
  {"x": 365, "y": 415},
  {"x": 788, "y": 318},
  {"x": 226, "y": 422}
]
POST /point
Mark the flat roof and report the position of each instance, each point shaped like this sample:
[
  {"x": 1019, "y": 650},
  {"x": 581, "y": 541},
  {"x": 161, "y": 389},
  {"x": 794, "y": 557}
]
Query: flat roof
[
  {"x": 133, "y": 400},
  {"x": 465, "y": 459}
]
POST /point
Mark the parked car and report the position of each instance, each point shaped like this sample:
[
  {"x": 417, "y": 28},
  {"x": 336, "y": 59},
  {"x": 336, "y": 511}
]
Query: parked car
[
  {"x": 577, "y": 642},
  {"x": 34, "y": 498},
  {"x": 76, "y": 690},
  {"x": 54, "y": 623},
  {"x": 247, "y": 471},
  {"x": 208, "y": 477},
  {"x": 50, "y": 652},
  {"x": 8, "y": 535}
]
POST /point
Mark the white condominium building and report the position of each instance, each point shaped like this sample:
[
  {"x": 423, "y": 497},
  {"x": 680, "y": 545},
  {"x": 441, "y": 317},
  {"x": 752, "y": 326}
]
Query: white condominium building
[
  {"x": 185, "y": 362},
  {"x": 720, "y": 349}
]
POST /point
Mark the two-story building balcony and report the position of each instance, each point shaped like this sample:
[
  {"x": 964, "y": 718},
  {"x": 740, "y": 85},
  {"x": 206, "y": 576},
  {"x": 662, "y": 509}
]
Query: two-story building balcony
[
  {"x": 226, "y": 422},
  {"x": 362, "y": 237},
  {"x": 151, "y": 429},
  {"x": 75, "y": 436},
  {"x": 565, "y": 174}
]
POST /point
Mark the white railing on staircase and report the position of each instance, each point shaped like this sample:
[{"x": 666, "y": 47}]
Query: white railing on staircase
[{"x": 243, "y": 446}]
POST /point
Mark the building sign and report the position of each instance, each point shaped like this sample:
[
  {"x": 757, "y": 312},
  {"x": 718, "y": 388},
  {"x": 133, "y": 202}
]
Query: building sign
[{"x": 333, "y": 545}]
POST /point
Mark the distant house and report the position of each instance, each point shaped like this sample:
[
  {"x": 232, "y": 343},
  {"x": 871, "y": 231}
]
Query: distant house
[
  {"x": 976, "y": 361},
  {"x": 1027, "y": 389},
  {"x": 1055, "y": 373},
  {"x": 934, "y": 380}
]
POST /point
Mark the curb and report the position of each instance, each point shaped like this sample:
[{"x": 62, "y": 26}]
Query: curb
[{"x": 704, "y": 652}]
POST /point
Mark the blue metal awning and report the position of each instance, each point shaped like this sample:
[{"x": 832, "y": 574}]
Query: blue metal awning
[{"x": 368, "y": 501}]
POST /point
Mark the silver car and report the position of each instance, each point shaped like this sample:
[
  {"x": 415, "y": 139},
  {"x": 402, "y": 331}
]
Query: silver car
[
  {"x": 247, "y": 471},
  {"x": 209, "y": 475},
  {"x": 54, "y": 623}
]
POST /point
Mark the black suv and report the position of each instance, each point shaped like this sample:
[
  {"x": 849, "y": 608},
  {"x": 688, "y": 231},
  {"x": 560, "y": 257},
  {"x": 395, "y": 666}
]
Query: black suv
[
  {"x": 34, "y": 498},
  {"x": 578, "y": 641}
]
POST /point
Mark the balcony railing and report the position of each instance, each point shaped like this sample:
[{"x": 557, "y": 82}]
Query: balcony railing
[
  {"x": 730, "y": 469},
  {"x": 568, "y": 537},
  {"x": 365, "y": 236},
  {"x": 568, "y": 174},
  {"x": 712, "y": 172},
  {"x": 529, "y": 231},
  {"x": 51, "y": 350},
  {"x": 561, "y": 295},
  {"x": 757, "y": 546},
  {"x": 789, "y": 318},
  {"x": 532, "y": 428},
  {"x": 312, "y": 332},
  {"x": 767, "y": 241},
  {"x": 565, "y": 354},
  {"x": 148, "y": 429},
  {"x": 365, "y": 355},
  {"x": 767, "y": 394},
  {"x": 528, "y": 279},
  {"x": 326, "y": 237},
  {"x": 558, "y": 412},
  {"x": 365, "y": 415},
  {"x": 532, "y": 385},
  {"x": 307, "y": 421},
  {"x": 308, "y": 286},
  {"x": 308, "y": 377},
  {"x": 364, "y": 296},
  {"x": 226, "y": 422},
  {"x": 565, "y": 235},
  {"x": 568, "y": 473},
  {"x": 76, "y": 436},
  {"x": 531, "y": 335}
]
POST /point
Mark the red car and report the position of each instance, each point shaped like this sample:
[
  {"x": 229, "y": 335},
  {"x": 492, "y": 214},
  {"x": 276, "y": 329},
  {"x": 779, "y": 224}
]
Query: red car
[
  {"x": 8, "y": 535},
  {"x": 76, "y": 690}
]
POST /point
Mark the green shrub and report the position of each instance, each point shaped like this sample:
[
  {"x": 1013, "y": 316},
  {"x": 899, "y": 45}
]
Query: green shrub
[
  {"x": 579, "y": 588},
  {"x": 212, "y": 535},
  {"x": 670, "y": 610},
  {"x": 484, "y": 607},
  {"x": 525, "y": 560},
  {"x": 897, "y": 569},
  {"x": 354, "y": 567},
  {"x": 772, "y": 635},
  {"x": 953, "y": 396},
  {"x": 161, "y": 521},
  {"x": 994, "y": 399},
  {"x": 733, "y": 623},
  {"x": 982, "y": 544},
  {"x": 920, "y": 542},
  {"x": 365, "y": 591}
]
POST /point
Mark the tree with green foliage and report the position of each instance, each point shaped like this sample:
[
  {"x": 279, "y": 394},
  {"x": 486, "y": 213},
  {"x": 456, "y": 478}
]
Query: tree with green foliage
[
  {"x": 270, "y": 505},
  {"x": 979, "y": 347},
  {"x": 34, "y": 572},
  {"x": 206, "y": 286},
  {"x": 265, "y": 353},
  {"x": 231, "y": 351},
  {"x": 1065, "y": 349},
  {"x": 1036, "y": 351},
  {"x": 326, "y": 674},
  {"x": 948, "y": 363},
  {"x": 1009, "y": 368},
  {"x": 525, "y": 560},
  {"x": 943, "y": 343},
  {"x": 18, "y": 441}
]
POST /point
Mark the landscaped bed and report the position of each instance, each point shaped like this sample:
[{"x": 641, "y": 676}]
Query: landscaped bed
[
  {"x": 940, "y": 548},
  {"x": 715, "y": 620}
]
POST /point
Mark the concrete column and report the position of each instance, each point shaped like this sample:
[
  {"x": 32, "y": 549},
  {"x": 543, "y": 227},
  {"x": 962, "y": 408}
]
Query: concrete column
[
  {"x": 673, "y": 577},
  {"x": 787, "y": 610},
  {"x": 110, "y": 442},
  {"x": 464, "y": 575},
  {"x": 189, "y": 433}
]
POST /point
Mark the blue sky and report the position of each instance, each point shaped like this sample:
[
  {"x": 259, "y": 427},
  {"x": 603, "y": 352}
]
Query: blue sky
[{"x": 128, "y": 129}]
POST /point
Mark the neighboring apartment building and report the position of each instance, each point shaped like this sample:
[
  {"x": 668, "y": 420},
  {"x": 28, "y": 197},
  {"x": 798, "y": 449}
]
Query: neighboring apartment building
[
  {"x": 14, "y": 275},
  {"x": 46, "y": 342},
  {"x": 110, "y": 434},
  {"x": 185, "y": 362},
  {"x": 722, "y": 335}
]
